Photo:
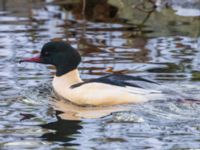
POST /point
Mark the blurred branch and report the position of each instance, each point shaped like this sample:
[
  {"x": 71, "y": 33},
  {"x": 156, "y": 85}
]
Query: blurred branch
[
  {"x": 83, "y": 18},
  {"x": 4, "y": 5},
  {"x": 83, "y": 8},
  {"x": 143, "y": 8},
  {"x": 147, "y": 17}
]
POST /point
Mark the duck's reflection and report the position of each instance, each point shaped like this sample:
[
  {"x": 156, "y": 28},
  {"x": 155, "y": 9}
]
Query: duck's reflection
[
  {"x": 70, "y": 117},
  {"x": 74, "y": 112},
  {"x": 62, "y": 130}
]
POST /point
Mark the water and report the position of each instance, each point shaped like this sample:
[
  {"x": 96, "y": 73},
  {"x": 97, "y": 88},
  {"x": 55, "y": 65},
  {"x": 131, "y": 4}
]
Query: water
[{"x": 161, "y": 44}]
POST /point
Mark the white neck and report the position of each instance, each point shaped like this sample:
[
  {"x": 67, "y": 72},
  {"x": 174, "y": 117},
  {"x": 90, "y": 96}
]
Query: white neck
[{"x": 67, "y": 79}]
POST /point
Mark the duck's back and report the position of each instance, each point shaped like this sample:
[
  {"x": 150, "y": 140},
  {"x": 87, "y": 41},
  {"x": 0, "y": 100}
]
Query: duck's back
[{"x": 112, "y": 90}]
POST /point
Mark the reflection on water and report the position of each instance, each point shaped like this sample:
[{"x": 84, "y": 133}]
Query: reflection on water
[
  {"x": 157, "y": 40},
  {"x": 63, "y": 131},
  {"x": 74, "y": 112}
]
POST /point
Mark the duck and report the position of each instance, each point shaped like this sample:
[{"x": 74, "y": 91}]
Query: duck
[{"x": 112, "y": 89}]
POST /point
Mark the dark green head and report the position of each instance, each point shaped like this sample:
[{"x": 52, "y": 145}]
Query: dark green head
[{"x": 59, "y": 54}]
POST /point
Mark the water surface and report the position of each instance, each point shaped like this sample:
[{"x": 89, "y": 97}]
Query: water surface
[{"x": 160, "y": 43}]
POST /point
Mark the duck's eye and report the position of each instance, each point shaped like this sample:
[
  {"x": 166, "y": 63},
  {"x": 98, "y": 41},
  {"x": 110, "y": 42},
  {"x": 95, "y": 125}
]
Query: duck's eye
[{"x": 46, "y": 54}]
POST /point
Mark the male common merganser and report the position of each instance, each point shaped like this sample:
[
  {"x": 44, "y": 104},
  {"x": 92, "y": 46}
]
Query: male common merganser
[{"x": 104, "y": 91}]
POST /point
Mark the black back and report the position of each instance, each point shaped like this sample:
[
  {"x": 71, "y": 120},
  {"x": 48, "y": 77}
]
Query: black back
[{"x": 120, "y": 80}]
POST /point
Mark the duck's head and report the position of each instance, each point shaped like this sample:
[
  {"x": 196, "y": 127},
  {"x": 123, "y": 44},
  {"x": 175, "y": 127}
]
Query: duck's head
[{"x": 60, "y": 54}]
